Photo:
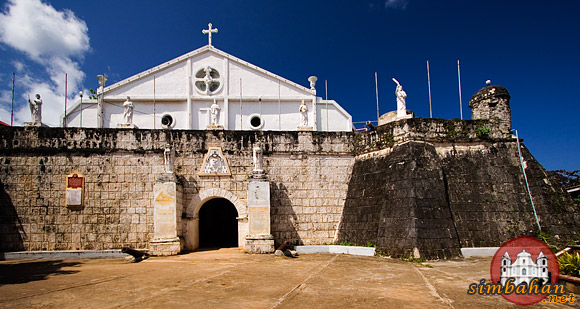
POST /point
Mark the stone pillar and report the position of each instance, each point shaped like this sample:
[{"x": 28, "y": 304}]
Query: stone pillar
[
  {"x": 168, "y": 204},
  {"x": 259, "y": 238}
]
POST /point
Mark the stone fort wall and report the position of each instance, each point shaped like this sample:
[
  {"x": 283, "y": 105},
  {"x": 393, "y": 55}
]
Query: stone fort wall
[
  {"x": 422, "y": 187},
  {"x": 308, "y": 172},
  {"x": 446, "y": 184}
]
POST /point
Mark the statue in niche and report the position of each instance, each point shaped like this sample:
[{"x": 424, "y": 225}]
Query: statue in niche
[
  {"x": 215, "y": 111},
  {"x": 303, "y": 114},
  {"x": 401, "y": 100},
  {"x": 168, "y": 159},
  {"x": 128, "y": 111},
  {"x": 258, "y": 158},
  {"x": 35, "y": 109}
]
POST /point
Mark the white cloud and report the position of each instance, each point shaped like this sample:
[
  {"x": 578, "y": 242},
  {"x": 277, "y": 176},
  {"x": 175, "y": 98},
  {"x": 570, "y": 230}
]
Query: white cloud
[
  {"x": 396, "y": 4},
  {"x": 19, "y": 66},
  {"x": 41, "y": 31},
  {"x": 55, "y": 40},
  {"x": 4, "y": 115}
]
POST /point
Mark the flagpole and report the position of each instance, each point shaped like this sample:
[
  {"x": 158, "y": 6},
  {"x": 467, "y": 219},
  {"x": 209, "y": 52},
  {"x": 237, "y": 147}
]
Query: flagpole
[
  {"x": 65, "y": 94},
  {"x": 154, "y": 107},
  {"x": 12, "y": 109},
  {"x": 279, "y": 109},
  {"x": 377, "y": 93},
  {"x": 326, "y": 93},
  {"x": 81, "y": 122},
  {"x": 429, "y": 84},
  {"x": 459, "y": 79},
  {"x": 241, "y": 118}
]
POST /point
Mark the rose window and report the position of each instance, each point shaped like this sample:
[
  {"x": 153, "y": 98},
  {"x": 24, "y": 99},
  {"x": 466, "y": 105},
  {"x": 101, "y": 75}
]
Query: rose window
[{"x": 207, "y": 80}]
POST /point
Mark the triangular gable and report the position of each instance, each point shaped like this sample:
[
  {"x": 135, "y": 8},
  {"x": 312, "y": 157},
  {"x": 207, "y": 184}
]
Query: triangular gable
[{"x": 179, "y": 63}]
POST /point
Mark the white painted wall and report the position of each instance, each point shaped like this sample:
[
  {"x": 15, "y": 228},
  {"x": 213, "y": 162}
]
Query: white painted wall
[
  {"x": 287, "y": 120},
  {"x": 174, "y": 87},
  {"x": 89, "y": 110},
  {"x": 255, "y": 84},
  {"x": 332, "y": 117},
  {"x": 169, "y": 83}
]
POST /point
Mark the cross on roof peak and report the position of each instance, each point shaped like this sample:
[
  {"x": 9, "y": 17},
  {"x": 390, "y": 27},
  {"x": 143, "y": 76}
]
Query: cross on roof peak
[{"x": 209, "y": 32}]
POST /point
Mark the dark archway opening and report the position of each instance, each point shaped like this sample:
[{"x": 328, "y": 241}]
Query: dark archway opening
[{"x": 218, "y": 226}]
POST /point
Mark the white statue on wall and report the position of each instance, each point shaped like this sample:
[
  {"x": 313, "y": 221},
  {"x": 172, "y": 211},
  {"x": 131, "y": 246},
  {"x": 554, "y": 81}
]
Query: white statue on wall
[
  {"x": 168, "y": 159},
  {"x": 258, "y": 158},
  {"x": 303, "y": 115},
  {"x": 36, "y": 109},
  {"x": 401, "y": 100},
  {"x": 128, "y": 111},
  {"x": 215, "y": 111},
  {"x": 208, "y": 79}
]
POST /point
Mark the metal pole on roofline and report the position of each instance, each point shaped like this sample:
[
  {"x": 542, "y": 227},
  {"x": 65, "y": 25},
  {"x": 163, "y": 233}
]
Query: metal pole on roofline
[
  {"x": 241, "y": 118},
  {"x": 326, "y": 93},
  {"x": 65, "y": 95},
  {"x": 429, "y": 86},
  {"x": 81, "y": 94},
  {"x": 12, "y": 109},
  {"x": 154, "y": 107},
  {"x": 279, "y": 109},
  {"x": 377, "y": 94},
  {"x": 459, "y": 79}
]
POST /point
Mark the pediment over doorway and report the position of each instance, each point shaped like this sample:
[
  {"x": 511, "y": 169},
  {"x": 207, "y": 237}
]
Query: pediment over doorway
[{"x": 214, "y": 163}]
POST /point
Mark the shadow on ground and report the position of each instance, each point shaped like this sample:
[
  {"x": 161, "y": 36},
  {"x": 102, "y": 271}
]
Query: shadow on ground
[{"x": 33, "y": 271}]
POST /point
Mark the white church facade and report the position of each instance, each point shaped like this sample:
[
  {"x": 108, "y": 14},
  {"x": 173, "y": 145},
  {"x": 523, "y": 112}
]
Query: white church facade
[{"x": 209, "y": 89}]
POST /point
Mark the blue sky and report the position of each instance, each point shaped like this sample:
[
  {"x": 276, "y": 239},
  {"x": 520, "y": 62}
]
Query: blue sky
[{"x": 530, "y": 47}]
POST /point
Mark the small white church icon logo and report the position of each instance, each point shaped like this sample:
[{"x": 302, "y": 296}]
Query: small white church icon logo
[
  {"x": 524, "y": 269},
  {"x": 530, "y": 278}
]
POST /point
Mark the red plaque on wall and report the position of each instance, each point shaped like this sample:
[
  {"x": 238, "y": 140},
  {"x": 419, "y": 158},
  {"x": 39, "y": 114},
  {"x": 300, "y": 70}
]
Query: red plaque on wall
[{"x": 74, "y": 182}]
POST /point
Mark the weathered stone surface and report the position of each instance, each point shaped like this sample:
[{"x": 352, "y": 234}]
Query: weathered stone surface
[
  {"x": 493, "y": 103},
  {"x": 480, "y": 180},
  {"x": 489, "y": 200},
  {"x": 430, "y": 185},
  {"x": 259, "y": 244},
  {"x": 122, "y": 166},
  {"x": 398, "y": 202}
]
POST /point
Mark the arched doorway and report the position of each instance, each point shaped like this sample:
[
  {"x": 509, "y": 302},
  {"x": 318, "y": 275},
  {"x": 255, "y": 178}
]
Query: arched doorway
[{"x": 218, "y": 224}]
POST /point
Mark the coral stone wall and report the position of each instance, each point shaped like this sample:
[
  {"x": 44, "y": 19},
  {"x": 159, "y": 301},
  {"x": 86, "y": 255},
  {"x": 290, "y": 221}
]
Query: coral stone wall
[
  {"x": 420, "y": 187},
  {"x": 430, "y": 186},
  {"x": 308, "y": 171},
  {"x": 397, "y": 200}
]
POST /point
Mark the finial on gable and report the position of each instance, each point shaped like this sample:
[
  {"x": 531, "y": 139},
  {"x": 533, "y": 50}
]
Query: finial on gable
[{"x": 209, "y": 32}]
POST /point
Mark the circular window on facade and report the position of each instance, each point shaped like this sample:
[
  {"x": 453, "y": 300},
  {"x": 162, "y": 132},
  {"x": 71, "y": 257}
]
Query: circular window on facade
[
  {"x": 167, "y": 121},
  {"x": 256, "y": 122},
  {"x": 207, "y": 80}
]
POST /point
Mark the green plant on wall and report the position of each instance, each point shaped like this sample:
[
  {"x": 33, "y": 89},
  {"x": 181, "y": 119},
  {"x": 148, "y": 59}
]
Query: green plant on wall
[
  {"x": 547, "y": 238},
  {"x": 450, "y": 129},
  {"x": 370, "y": 245},
  {"x": 482, "y": 132}
]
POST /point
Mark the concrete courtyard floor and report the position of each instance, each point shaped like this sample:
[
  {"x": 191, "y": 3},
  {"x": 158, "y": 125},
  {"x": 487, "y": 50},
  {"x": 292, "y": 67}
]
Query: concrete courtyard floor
[{"x": 228, "y": 278}]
